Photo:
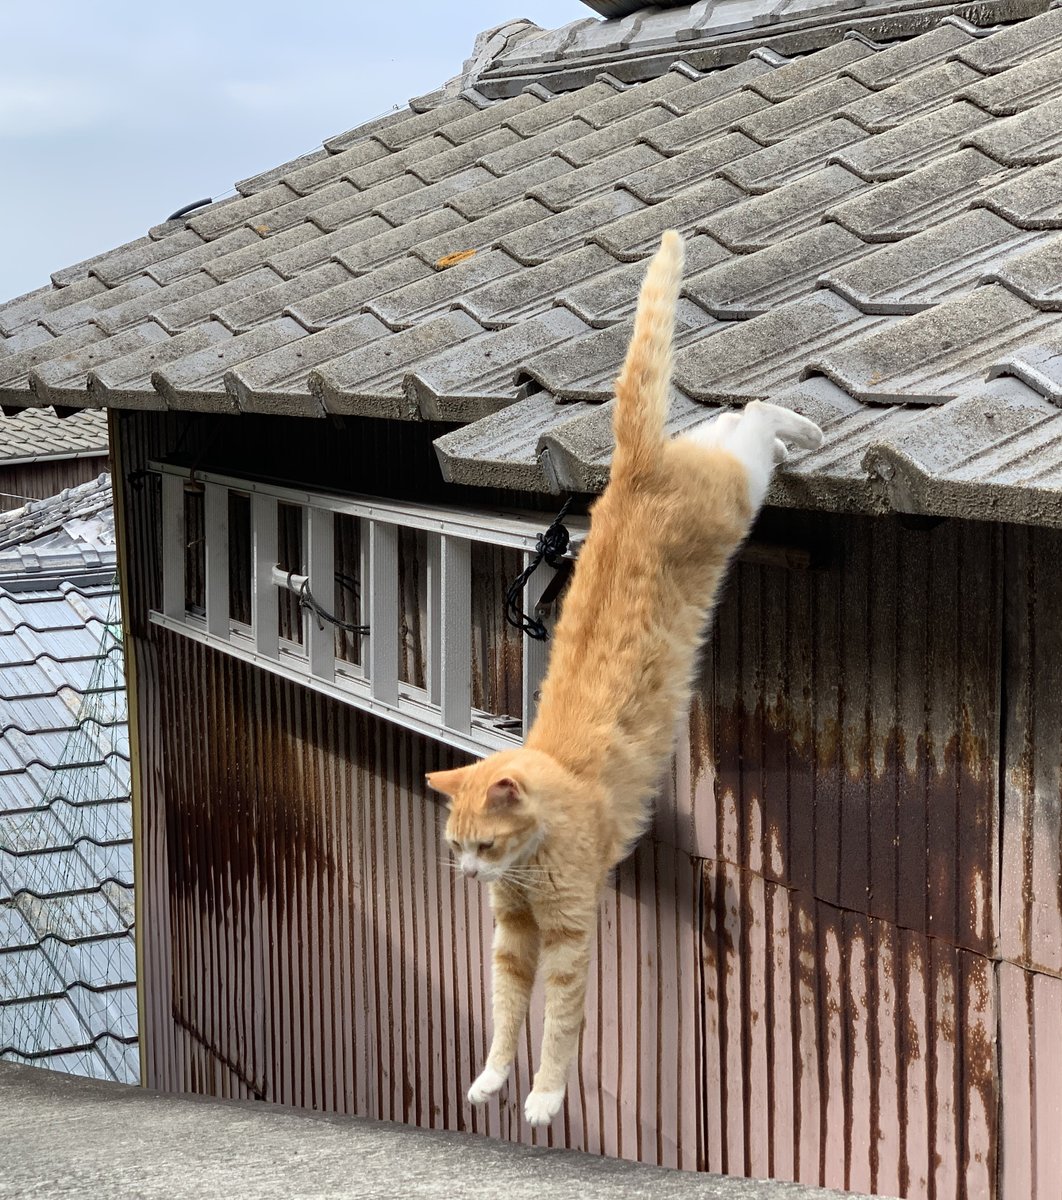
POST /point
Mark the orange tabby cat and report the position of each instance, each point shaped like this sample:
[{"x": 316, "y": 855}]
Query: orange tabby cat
[{"x": 546, "y": 823}]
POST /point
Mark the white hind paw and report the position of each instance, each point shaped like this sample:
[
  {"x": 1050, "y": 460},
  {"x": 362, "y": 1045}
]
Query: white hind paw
[
  {"x": 787, "y": 425},
  {"x": 488, "y": 1083},
  {"x": 541, "y": 1107}
]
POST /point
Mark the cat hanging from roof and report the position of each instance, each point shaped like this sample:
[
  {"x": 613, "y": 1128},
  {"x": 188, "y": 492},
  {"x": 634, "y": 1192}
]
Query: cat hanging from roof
[{"x": 544, "y": 825}]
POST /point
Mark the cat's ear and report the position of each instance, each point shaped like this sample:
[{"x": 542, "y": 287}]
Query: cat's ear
[
  {"x": 503, "y": 794},
  {"x": 447, "y": 782}
]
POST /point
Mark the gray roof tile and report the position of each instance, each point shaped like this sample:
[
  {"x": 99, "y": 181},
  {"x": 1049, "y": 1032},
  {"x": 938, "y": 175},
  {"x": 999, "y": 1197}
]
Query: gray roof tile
[
  {"x": 273, "y": 299},
  {"x": 945, "y": 261},
  {"x": 559, "y": 108},
  {"x": 512, "y": 293},
  {"x": 1015, "y": 44},
  {"x": 1031, "y": 137},
  {"x": 603, "y": 299},
  {"x": 703, "y": 124},
  {"x": 78, "y": 271},
  {"x": 934, "y": 355},
  {"x": 586, "y": 368},
  {"x": 112, "y": 310},
  {"x": 125, "y": 382},
  {"x": 1038, "y": 366},
  {"x": 323, "y": 168},
  {"x": 309, "y": 248},
  {"x": 277, "y": 381},
  {"x": 1030, "y": 199},
  {"x": 363, "y": 254},
  {"x": 476, "y": 377},
  {"x": 1020, "y": 88},
  {"x": 39, "y": 432},
  {"x": 226, "y": 215},
  {"x": 921, "y": 93},
  {"x": 370, "y": 382},
  {"x": 398, "y": 135},
  {"x": 499, "y": 450},
  {"x": 203, "y": 253},
  {"x": 321, "y": 309},
  {"x": 117, "y": 268},
  {"x": 474, "y": 125},
  {"x": 806, "y": 110},
  {"x": 982, "y": 456},
  {"x": 903, "y": 59},
  {"x": 484, "y": 198},
  {"x": 780, "y": 214},
  {"x": 913, "y": 144},
  {"x": 362, "y": 204},
  {"x": 196, "y": 381},
  {"x": 15, "y": 368},
  {"x": 431, "y": 168},
  {"x": 177, "y": 312},
  {"x": 438, "y": 290},
  {"x": 63, "y": 380},
  {"x": 561, "y": 198},
  {"x": 598, "y": 143},
  {"x": 635, "y": 235},
  {"x": 750, "y": 360},
  {"x": 919, "y": 200},
  {"x": 285, "y": 172},
  {"x": 1036, "y": 275},
  {"x": 812, "y": 70},
  {"x": 701, "y": 93},
  {"x": 598, "y": 176},
  {"x": 789, "y": 160},
  {"x": 565, "y": 230},
  {"x": 670, "y": 176},
  {"x": 522, "y": 215},
  {"x": 749, "y": 284},
  {"x": 45, "y": 300},
  {"x": 534, "y": 149}
]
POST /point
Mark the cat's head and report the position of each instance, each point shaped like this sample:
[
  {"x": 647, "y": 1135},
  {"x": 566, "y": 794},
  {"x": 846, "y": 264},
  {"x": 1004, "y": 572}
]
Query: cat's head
[{"x": 498, "y": 809}]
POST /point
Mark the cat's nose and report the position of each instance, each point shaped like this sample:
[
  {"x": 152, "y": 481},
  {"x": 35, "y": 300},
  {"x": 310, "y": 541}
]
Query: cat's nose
[{"x": 471, "y": 872}]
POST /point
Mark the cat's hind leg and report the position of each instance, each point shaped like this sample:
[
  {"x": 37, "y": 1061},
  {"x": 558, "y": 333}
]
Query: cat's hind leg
[
  {"x": 516, "y": 941},
  {"x": 759, "y": 437},
  {"x": 565, "y": 963}
]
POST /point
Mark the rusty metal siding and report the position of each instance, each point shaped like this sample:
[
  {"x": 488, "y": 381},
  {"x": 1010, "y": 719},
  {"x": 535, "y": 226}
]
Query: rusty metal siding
[
  {"x": 41, "y": 479},
  {"x": 306, "y": 940},
  {"x": 843, "y": 749},
  {"x": 815, "y": 967},
  {"x": 1031, "y": 913},
  {"x": 849, "y": 720}
]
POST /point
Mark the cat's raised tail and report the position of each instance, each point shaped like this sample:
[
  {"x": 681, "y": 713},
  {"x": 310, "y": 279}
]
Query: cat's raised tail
[{"x": 645, "y": 380}]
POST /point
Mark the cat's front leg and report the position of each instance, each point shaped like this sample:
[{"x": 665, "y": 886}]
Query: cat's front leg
[
  {"x": 565, "y": 962},
  {"x": 516, "y": 945}
]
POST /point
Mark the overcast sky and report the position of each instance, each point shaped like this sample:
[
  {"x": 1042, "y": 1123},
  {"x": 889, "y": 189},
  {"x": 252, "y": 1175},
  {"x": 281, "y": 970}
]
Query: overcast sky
[{"x": 113, "y": 114}]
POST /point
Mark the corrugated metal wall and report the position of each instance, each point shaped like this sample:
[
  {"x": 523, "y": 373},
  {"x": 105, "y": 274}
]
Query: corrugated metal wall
[
  {"x": 802, "y": 973},
  {"x": 42, "y": 479}
]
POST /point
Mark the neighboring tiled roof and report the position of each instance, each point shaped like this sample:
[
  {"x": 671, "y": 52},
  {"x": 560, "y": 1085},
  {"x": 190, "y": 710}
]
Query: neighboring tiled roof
[
  {"x": 73, "y": 531},
  {"x": 873, "y": 238},
  {"x": 67, "y": 958},
  {"x": 35, "y": 434}
]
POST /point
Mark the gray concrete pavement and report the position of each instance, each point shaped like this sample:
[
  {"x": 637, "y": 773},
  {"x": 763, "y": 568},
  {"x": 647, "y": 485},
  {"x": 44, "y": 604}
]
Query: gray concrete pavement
[{"x": 64, "y": 1137}]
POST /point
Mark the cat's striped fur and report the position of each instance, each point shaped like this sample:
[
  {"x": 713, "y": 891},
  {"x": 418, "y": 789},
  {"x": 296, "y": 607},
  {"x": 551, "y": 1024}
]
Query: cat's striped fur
[{"x": 545, "y": 824}]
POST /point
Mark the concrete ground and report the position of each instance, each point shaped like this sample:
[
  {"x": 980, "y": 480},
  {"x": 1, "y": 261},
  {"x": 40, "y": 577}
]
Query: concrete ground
[{"x": 63, "y": 1136}]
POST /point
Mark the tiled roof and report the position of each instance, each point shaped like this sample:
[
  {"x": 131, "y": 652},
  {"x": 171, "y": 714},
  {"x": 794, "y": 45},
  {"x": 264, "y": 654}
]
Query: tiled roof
[
  {"x": 67, "y": 958},
  {"x": 873, "y": 236},
  {"x": 35, "y": 434}
]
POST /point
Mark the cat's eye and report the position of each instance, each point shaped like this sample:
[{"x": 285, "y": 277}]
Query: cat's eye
[
  {"x": 485, "y": 845},
  {"x": 454, "y": 846}
]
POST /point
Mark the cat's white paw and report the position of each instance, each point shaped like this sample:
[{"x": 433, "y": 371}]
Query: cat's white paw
[
  {"x": 541, "y": 1107},
  {"x": 488, "y": 1083},
  {"x": 787, "y": 425}
]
